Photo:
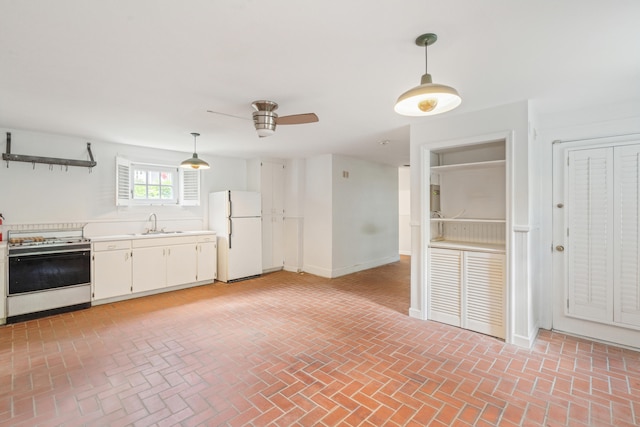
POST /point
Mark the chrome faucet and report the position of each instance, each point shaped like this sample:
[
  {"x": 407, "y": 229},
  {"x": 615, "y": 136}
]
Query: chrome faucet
[{"x": 154, "y": 228}]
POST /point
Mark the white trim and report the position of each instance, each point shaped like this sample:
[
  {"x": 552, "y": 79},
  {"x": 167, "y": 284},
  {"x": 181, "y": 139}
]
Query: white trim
[
  {"x": 521, "y": 228},
  {"x": 596, "y": 139},
  {"x": 416, "y": 314},
  {"x": 508, "y": 136},
  {"x": 337, "y": 272},
  {"x": 525, "y": 341}
]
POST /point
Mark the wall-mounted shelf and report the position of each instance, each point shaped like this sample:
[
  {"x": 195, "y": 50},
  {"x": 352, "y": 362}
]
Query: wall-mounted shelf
[
  {"x": 8, "y": 157},
  {"x": 498, "y": 248},
  {"x": 469, "y": 166},
  {"x": 487, "y": 220}
]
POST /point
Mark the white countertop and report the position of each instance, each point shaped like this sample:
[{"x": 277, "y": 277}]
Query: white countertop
[{"x": 133, "y": 236}]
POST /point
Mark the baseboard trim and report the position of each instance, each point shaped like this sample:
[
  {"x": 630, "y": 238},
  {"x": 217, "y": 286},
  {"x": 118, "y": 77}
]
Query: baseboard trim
[
  {"x": 415, "y": 313},
  {"x": 524, "y": 341},
  {"x": 364, "y": 266}
]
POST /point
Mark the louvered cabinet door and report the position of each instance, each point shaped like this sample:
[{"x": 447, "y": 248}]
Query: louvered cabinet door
[
  {"x": 590, "y": 240},
  {"x": 483, "y": 293},
  {"x": 445, "y": 279},
  {"x": 627, "y": 234}
]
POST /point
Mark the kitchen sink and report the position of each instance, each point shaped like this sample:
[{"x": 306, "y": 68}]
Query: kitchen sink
[{"x": 157, "y": 233}]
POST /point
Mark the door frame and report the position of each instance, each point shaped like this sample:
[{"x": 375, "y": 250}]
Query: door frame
[
  {"x": 618, "y": 335},
  {"x": 425, "y": 223}
]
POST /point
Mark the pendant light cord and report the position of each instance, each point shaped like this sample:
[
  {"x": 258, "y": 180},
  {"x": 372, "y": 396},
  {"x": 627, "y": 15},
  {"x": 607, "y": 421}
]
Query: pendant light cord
[{"x": 426, "y": 59}]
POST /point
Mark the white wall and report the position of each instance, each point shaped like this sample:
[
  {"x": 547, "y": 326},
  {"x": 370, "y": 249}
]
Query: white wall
[
  {"x": 318, "y": 221},
  {"x": 404, "y": 210},
  {"x": 36, "y": 194},
  {"x": 507, "y": 121},
  {"x": 350, "y": 224},
  {"x": 365, "y": 215}
]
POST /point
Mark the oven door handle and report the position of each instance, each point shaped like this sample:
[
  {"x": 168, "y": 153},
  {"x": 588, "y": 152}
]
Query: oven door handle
[{"x": 62, "y": 251}]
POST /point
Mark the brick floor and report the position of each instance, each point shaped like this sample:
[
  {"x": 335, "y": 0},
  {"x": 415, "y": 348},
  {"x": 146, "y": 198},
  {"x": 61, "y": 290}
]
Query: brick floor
[{"x": 292, "y": 349}]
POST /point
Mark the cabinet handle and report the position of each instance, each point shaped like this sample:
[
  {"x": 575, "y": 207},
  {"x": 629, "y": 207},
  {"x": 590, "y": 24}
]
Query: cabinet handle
[{"x": 560, "y": 248}]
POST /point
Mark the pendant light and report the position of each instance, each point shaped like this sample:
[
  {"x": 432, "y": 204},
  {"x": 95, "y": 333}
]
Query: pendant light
[
  {"x": 429, "y": 98},
  {"x": 194, "y": 162}
]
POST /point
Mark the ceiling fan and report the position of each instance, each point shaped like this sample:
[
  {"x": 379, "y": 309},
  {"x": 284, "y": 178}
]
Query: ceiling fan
[{"x": 265, "y": 119}]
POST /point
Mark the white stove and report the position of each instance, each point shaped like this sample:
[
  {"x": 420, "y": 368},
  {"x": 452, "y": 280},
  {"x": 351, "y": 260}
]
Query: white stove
[{"x": 49, "y": 270}]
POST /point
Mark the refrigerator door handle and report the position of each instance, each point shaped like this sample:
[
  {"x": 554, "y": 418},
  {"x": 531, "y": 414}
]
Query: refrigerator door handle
[
  {"x": 229, "y": 231},
  {"x": 229, "y": 210}
]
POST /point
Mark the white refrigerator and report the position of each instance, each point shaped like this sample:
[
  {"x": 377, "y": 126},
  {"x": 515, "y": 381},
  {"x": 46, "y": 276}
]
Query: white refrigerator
[{"x": 235, "y": 216}]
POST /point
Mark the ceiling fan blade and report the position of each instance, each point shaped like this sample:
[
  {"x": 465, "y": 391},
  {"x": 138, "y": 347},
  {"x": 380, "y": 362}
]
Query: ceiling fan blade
[
  {"x": 228, "y": 115},
  {"x": 297, "y": 119}
]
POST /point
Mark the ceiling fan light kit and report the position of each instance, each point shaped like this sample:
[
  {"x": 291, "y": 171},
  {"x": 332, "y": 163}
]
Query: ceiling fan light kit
[
  {"x": 265, "y": 119},
  {"x": 428, "y": 98},
  {"x": 194, "y": 162}
]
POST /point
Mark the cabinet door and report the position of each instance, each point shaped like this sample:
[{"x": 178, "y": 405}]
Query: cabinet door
[
  {"x": 445, "y": 278},
  {"x": 627, "y": 235},
  {"x": 181, "y": 264},
  {"x": 111, "y": 274},
  {"x": 207, "y": 261},
  {"x": 272, "y": 242},
  {"x": 149, "y": 268},
  {"x": 483, "y": 293},
  {"x": 272, "y": 188}
]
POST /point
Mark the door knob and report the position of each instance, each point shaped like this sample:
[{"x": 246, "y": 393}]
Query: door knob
[{"x": 560, "y": 248}]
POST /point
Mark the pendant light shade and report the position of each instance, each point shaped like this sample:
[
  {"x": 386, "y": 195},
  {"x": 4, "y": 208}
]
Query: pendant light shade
[
  {"x": 429, "y": 98},
  {"x": 194, "y": 162}
]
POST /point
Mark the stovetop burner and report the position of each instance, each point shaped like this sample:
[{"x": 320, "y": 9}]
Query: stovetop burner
[
  {"x": 47, "y": 235},
  {"x": 40, "y": 240}
]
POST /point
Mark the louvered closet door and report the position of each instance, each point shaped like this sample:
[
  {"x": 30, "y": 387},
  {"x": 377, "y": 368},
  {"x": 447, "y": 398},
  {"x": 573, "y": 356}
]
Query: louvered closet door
[
  {"x": 590, "y": 238},
  {"x": 483, "y": 293},
  {"x": 627, "y": 232},
  {"x": 445, "y": 278}
]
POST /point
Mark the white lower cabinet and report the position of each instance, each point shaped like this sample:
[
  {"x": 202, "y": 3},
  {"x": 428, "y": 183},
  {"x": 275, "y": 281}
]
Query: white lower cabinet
[
  {"x": 162, "y": 262},
  {"x": 111, "y": 273},
  {"x": 207, "y": 258},
  {"x": 122, "y": 268},
  {"x": 149, "y": 268},
  {"x": 181, "y": 264},
  {"x": 272, "y": 242},
  {"x": 466, "y": 289}
]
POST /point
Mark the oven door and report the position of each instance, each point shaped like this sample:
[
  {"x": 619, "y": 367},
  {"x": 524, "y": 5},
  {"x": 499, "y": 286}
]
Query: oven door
[{"x": 43, "y": 271}]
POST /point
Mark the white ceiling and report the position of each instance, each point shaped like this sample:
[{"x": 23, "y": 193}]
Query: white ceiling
[{"x": 144, "y": 72}]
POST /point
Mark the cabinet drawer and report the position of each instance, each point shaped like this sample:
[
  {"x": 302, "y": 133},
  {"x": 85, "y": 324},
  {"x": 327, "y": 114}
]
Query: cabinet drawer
[
  {"x": 207, "y": 238},
  {"x": 164, "y": 241},
  {"x": 112, "y": 245}
]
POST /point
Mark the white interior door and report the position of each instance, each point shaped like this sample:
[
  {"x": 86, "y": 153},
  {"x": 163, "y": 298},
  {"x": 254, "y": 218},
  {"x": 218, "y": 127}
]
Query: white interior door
[
  {"x": 627, "y": 228},
  {"x": 596, "y": 239}
]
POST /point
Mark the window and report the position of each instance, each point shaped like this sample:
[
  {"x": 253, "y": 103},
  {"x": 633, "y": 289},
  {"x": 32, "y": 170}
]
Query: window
[
  {"x": 148, "y": 184},
  {"x": 153, "y": 184}
]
